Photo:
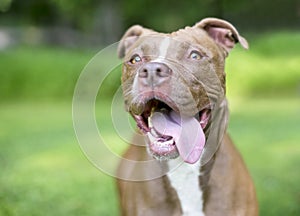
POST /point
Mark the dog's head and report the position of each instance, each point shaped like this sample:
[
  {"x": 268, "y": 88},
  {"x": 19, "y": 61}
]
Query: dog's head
[{"x": 172, "y": 82}]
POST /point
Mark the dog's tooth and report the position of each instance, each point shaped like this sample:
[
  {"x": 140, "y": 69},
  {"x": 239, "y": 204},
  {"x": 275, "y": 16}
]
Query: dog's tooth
[
  {"x": 159, "y": 144},
  {"x": 154, "y": 133},
  {"x": 152, "y": 130},
  {"x": 164, "y": 143},
  {"x": 152, "y": 110},
  {"x": 170, "y": 142},
  {"x": 151, "y": 137},
  {"x": 150, "y": 122}
]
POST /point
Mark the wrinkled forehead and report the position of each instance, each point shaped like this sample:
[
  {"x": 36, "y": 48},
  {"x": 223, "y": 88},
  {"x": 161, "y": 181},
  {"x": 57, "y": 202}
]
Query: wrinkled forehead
[{"x": 173, "y": 45}]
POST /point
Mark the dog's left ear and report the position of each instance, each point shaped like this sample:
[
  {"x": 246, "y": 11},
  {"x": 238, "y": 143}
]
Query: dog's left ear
[
  {"x": 222, "y": 32},
  {"x": 130, "y": 37}
]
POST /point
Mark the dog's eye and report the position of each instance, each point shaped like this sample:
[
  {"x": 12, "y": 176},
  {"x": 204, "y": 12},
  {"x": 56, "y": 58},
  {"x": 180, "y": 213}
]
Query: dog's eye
[
  {"x": 195, "y": 55},
  {"x": 135, "y": 59}
]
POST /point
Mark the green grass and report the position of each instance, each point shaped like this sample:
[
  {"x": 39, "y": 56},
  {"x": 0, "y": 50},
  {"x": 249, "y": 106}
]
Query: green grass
[
  {"x": 44, "y": 172},
  {"x": 46, "y": 73},
  {"x": 267, "y": 134},
  {"x": 269, "y": 68},
  {"x": 39, "y": 72}
]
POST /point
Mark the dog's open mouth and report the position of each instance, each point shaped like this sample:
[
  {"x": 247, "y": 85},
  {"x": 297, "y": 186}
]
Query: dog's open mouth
[{"x": 170, "y": 135}]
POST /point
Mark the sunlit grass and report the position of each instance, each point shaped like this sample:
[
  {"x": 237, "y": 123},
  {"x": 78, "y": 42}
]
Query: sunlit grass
[
  {"x": 267, "y": 133},
  {"x": 269, "y": 68},
  {"x": 43, "y": 170}
]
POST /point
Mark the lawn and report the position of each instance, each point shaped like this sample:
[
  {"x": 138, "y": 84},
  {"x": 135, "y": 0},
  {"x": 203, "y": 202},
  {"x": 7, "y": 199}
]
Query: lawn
[
  {"x": 44, "y": 171},
  {"x": 267, "y": 134}
]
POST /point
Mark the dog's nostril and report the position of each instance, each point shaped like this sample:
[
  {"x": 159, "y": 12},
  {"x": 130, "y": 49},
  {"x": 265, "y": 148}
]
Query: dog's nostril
[
  {"x": 163, "y": 72},
  {"x": 143, "y": 73}
]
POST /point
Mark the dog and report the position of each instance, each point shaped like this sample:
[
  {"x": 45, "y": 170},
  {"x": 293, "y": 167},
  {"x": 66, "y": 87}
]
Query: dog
[{"x": 183, "y": 162}]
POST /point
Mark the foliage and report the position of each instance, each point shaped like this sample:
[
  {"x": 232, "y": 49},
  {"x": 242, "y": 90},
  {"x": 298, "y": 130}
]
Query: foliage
[
  {"x": 96, "y": 16},
  {"x": 4, "y": 5},
  {"x": 74, "y": 12}
]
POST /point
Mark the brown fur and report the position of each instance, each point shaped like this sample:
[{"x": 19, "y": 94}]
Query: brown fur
[
  {"x": 225, "y": 181},
  {"x": 229, "y": 190}
]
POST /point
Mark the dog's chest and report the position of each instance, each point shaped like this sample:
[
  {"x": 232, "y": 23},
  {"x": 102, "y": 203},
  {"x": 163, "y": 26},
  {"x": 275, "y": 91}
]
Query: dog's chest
[{"x": 185, "y": 181}]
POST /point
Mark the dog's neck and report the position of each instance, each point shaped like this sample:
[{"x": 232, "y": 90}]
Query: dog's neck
[
  {"x": 185, "y": 179},
  {"x": 190, "y": 180}
]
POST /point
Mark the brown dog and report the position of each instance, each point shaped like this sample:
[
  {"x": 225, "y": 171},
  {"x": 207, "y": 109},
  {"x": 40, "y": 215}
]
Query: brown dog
[{"x": 174, "y": 87}]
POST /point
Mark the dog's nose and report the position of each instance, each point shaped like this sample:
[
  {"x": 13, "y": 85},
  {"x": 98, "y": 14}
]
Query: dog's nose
[{"x": 154, "y": 73}]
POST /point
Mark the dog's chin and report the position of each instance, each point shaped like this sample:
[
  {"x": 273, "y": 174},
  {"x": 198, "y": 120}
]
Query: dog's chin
[
  {"x": 162, "y": 151},
  {"x": 163, "y": 157},
  {"x": 161, "y": 143}
]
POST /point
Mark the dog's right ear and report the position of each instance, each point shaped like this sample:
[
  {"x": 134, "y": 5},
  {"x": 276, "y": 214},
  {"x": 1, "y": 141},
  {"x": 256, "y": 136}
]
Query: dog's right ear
[
  {"x": 130, "y": 37},
  {"x": 222, "y": 32}
]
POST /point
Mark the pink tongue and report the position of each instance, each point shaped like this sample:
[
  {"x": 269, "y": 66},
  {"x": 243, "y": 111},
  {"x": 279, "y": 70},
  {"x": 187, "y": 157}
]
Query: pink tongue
[{"x": 186, "y": 131}]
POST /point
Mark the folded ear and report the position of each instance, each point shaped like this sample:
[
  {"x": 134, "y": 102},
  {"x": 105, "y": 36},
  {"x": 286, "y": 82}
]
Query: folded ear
[
  {"x": 222, "y": 32},
  {"x": 129, "y": 38}
]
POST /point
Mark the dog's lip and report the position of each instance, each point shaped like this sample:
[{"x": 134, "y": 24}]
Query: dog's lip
[
  {"x": 203, "y": 116},
  {"x": 166, "y": 148},
  {"x": 143, "y": 99},
  {"x": 160, "y": 146},
  {"x": 141, "y": 123}
]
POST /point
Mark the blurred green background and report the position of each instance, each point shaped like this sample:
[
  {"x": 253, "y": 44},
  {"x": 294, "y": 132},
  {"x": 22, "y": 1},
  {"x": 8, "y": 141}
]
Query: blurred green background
[{"x": 44, "y": 45}]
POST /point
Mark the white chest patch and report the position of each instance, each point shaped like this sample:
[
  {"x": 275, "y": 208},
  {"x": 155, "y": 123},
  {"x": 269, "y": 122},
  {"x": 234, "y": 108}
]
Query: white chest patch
[{"x": 185, "y": 180}]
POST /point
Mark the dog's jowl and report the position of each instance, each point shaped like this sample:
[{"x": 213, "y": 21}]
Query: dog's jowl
[{"x": 174, "y": 88}]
